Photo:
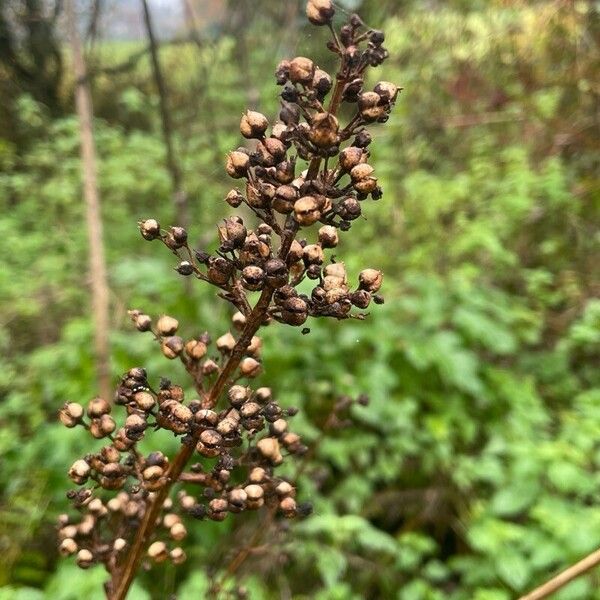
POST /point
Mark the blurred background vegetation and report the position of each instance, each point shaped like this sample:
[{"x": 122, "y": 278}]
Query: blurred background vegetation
[{"x": 474, "y": 473}]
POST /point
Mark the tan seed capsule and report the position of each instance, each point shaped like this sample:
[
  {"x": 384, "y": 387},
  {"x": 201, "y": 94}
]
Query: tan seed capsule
[
  {"x": 254, "y": 491},
  {"x": 254, "y": 346},
  {"x": 257, "y": 475},
  {"x": 370, "y": 280},
  {"x": 306, "y": 211},
  {"x": 70, "y": 531},
  {"x": 178, "y": 531},
  {"x": 249, "y": 367},
  {"x": 226, "y": 343},
  {"x": 158, "y": 551},
  {"x": 152, "y": 473},
  {"x": 350, "y": 157},
  {"x": 79, "y": 471},
  {"x": 167, "y": 325},
  {"x": 68, "y": 547},
  {"x": 71, "y": 414},
  {"x": 84, "y": 558},
  {"x": 269, "y": 448},
  {"x": 119, "y": 544},
  {"x": 144, "y": 401},
  {"x": 171, "y": 519},
  {"x": 284, "y": 488},
  {"x": 361, "y": 171},
  {"x": 253, "y": 124},
  {"x": 320, "y": 12},
  {"x": 98, "y": 407},
  {"x": 279, "y": 426},
  {"x": 178, "y": 556},
  {"x": 195, "y": 349},
  {"x": 313, "y": 254},
  {"x": 328, "y": 236},
  {"x": 238, "y": 320},
  {"x": 301, "y": 70},
  {"x": 288, "y": 506},
  {"x": 237, "y": 164}
]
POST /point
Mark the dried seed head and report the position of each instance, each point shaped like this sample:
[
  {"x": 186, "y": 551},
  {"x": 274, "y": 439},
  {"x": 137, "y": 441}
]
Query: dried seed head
[
  {"x": 71, "y": 414},
  {"x": 98, "y": 407},
  {"x": 238, "y": 394},
  {"x": 172, "y": 346},
  {"x": 253, "y": 124},
  {"x": 253, "y": 277},
  {"x": 84, "y": 559},
  {"x": 320, "y": 12},
  {"x": 210, "y": 438},
  {"x": 301, "y": 70},
  {"x": 279, "y": 427},
  {"x": 269, "y": 448},
  {"x": 313, "y": 254},
  {"x": 321, "y": 83},
  {"x": 254, "y": 492},
  {"x": 226, "y": 343},
  {"x": 324, "y": 130},
  {"x": 144, "y": 401},
  {"x": 288, "y": 507},
  {"x": 250, "y": 367},
  {"x": 167, "y": 325},
  {"x": 370, "y": 280},
  {"x": 178, "y": 532},
  {"x": 143, "y": 322},
  {"x": 257, "y": 475},
  {"x": 237, "y": 164},
  {"x": 387, "y": 91},
  {"x": 150, "y": 229},
  {"x": 360, "y": 299},
  {"x": 177, "y": 556},
  {"x": 306, "y": 211},
  {"x": 238, "y": 320},
  {"x": 206, "y": 417},
  {"x": 68, "y": 547},
  {"x": 210, "y": 367},
  {"x": 158, "y": 551},
  {"x": 119, "y": 544},
  {"x": 234, "y": 198},
  {"x": 255, "y": 346},
  {"x": 350, "y": 157},
  {"x": 328, "y": 236},
  {"x": 195, "y": 349}
]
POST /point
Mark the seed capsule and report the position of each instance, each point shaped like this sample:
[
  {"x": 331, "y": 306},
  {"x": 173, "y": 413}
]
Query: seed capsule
[
  {"x": 71, "y": 414},
  {"x": 68, "y": 547},
  {"x": 150, "y": 229},
  {"x": 98, "y": 407},
  {"x": 253, "y": 124},
  {"x": 370, "y": 280},
  {"x": 158, "y": 551},
  {"x": 269, "y": 448},
  {"x": 237, "y": 164},
  {"x": 301, "y": 70},
  {"x": 167, "y": 325},
  {"x": 306, "y": 211},
  {"x": 320, "y": 12},
  {"x": 84, "y": 559},
  {"x": 250, "y": 367}
]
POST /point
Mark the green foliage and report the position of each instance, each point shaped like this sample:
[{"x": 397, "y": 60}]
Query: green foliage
[{"x": 473, "y": 473}]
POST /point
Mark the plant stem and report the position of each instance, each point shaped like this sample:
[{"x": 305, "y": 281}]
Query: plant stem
[{"x": 574, "y": 571}]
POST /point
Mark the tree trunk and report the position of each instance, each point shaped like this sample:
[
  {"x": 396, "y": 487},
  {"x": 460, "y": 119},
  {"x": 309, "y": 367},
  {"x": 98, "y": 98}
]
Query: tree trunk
[
  {"x": 179, "y": 194},
  {"x": 97, "y": 265}
]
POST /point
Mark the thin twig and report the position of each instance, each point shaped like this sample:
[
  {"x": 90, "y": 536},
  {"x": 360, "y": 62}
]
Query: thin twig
[{"x": 568, "y": 575}]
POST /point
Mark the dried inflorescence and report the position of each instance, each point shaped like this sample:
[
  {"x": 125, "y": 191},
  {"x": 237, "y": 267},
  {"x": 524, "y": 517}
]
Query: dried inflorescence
[{"x": 241, "y": 439}]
